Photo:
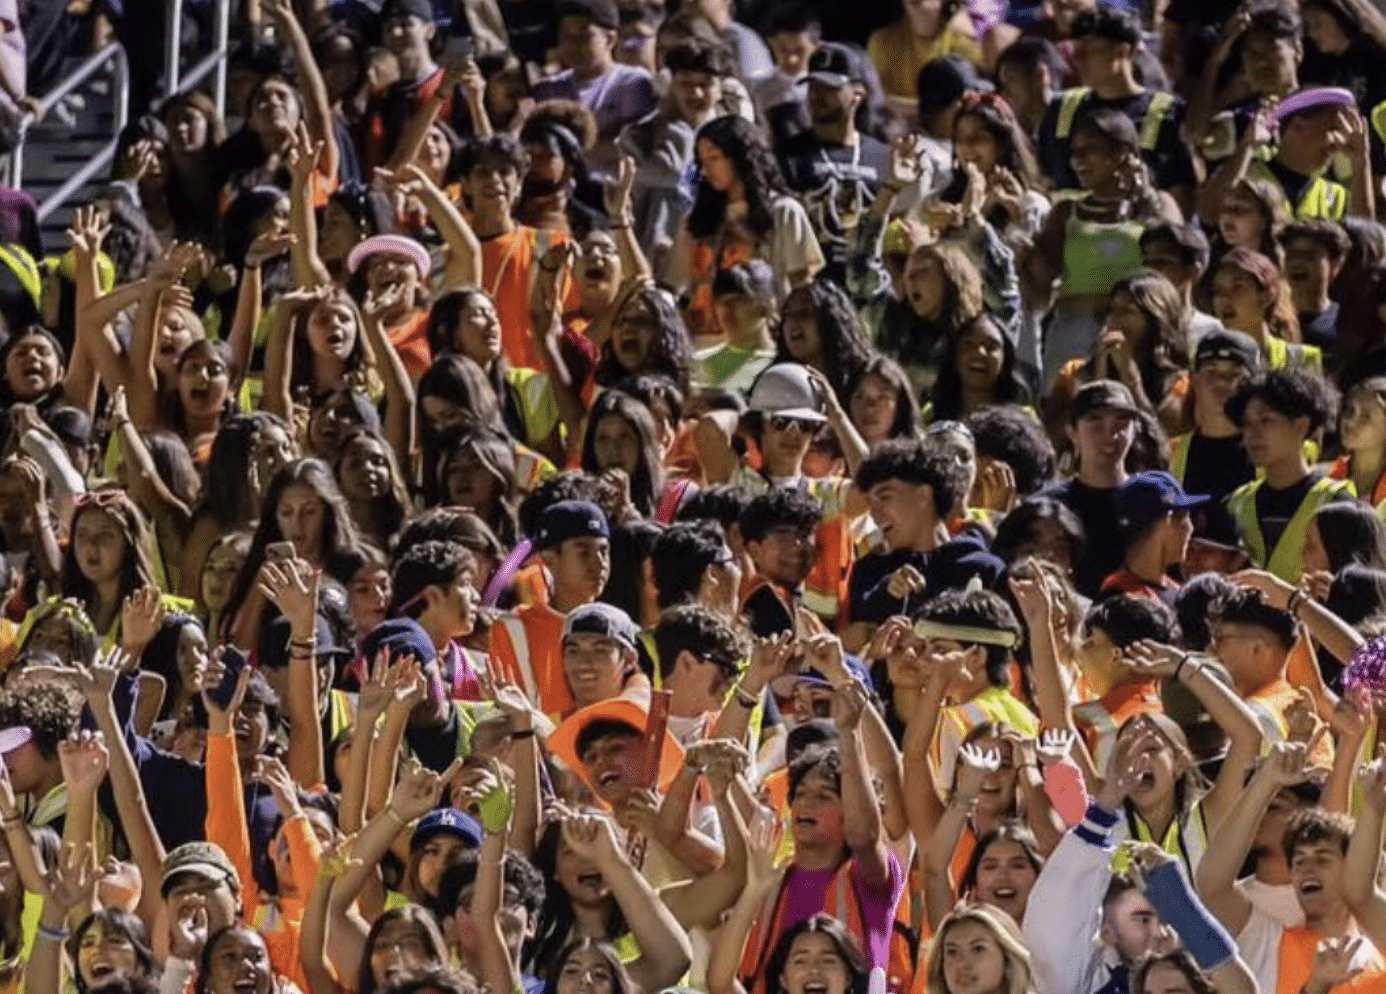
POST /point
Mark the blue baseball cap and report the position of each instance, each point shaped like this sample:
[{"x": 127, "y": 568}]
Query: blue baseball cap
[
  {"x": 783, "y": 686},
  {"x": 403, "y": 637},
  {"x": 1147, "y": 497},
  {"x": 446, "y": 821}
]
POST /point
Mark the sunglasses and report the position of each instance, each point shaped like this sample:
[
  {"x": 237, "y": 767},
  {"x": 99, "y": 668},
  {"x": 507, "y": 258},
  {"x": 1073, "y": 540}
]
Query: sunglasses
[
  {"x": 100, "y": 498},
  {"x": 783, "y": 422}
]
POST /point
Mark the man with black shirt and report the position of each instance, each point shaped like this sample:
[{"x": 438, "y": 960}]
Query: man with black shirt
[
  {"x": 407, "y": 29},
  {"x": 834, "y": 167},
  {"x": 1102, "y": 427},
  {"x": 1211, "y": 459},
  {"x": 1107, "y": 42},
  {"x": 1314, "y": 255},
  {"x": 1277, "y": 413}
]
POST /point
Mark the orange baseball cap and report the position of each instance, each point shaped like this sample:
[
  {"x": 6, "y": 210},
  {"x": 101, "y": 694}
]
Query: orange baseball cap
[{"x": 562, "y": 744}]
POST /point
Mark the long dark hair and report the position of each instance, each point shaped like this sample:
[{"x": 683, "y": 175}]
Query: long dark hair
[
  {"x": 620, "y": 977},
  {"x": 1009, "y": 830},
  {"x": 1351, "y": 533},
  {"x": 227, "y": 497},
  {"x": 496, "y": 452},
  {"x": 846, "y": 350},
  {"x": 358, "y": 362},
  {"x": 670, "y": 355},
  {"x": 755, "y": 166},
  {"x": 393, "y": 505},
  {"x": 161, "y": 656},
  {"x": 338, "y": 529},
  {"x": 118, "y": 922},
  {"x": 1009, "y": 387},
  {"x": 648, "y": 479},
  {"x": 549, "y": 944},
  {"x": 434, "y": 943},
  {"x": 836, "y": 933},
  {"x": 137, "y": 566}
]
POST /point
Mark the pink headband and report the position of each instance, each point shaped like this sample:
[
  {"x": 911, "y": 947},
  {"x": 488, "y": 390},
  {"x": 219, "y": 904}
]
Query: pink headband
[
  {"x": 1318, "y": 96},
  {"x": 391, "y": 245}
]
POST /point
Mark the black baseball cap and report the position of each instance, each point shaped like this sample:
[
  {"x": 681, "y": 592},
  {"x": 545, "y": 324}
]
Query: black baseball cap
[
  {"x": 944, "y": 80},
  {"x": 1233, "y": 346},
  {"x": 570, "y": 519},
  {"x": 602, "y": 13},
  {"x": 1099, "y": 395},
  {"x": 833, "y": 65},
  {"x": 393, "y": 9}
]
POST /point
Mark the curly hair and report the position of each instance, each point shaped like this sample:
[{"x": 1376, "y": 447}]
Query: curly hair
[
  {"x": 917, "y": 463},
  {"x": 846, "y": 351},
  {"x": 1293, "y": 393},
  {"x": 49, "y": 711},
  {"x": 962, "y": 296},
  {"x": 1009, "y": 435},
  {"x": 781, "y": 507},
  {"x": 1163, "y": 350},
  {"x": 670, "y": 354},
  {"x": 756, "y": 168}
]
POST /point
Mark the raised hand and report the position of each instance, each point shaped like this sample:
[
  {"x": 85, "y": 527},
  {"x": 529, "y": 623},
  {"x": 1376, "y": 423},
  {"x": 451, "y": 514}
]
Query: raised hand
[
  {"x": 84, "y": 760},
  {"x": 850, "y": 702},
  {"x": 1153, "y": 660},
  {"x": 996, "y": 486},
  {"x": 1275, "y": 590},
  {"x": 376, "y": 691},
  {"x": 303, "y": 154},
  {"x": 1128, "y": 763},
  {"x": 975, "y": 764},
  {"x": 302, "y": 298},
  {"x": 1146, "y": 857},
  {"x": 292, "y": 586},
  {"x": 616, "y": 191},
  {"x": 272, "y": 773},
  {"x": 592, "y": 837},
  {"x": 512, "y": 702},
  {"x": 771, "y": 658},
  {"x": 219, "y": 718},
  {"x": 721, "y": 760},
  {"x": 1352, "y": 716},
  {"x": 1371, "y": 777},
  {"x": 419, "y": 789},
  {"x": 141, "y": 617},
  {"x": 378, "y": 306},
  {"x": 139, "y": 160},
  {"x": 1035, "y": 599},
  {"x": 408, "y": 682},
  {"x": 96, "y": 680},
  {"x": 1055, "y": 745},
  {"x": 640, "y": 813},
  {"x": 906, "y": 161},
  {"x": 1301, "y": 717},
  {"x": 269, "y": 245},
  {"x": 87, "y": 231},
  {"x": 496, "y": 804},
  {"x": 1287, "y": 763},
  {"x": 905, "y": 583},
  {"x": 72, "y": 882},
  {"x": 824, "y": 653}
]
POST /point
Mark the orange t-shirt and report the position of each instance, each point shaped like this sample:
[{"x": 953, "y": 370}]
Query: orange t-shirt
[
  {"x": 410, "y": 340},
  {"x": 508, "y": 264},
  {"x": 537, "y": 664}
]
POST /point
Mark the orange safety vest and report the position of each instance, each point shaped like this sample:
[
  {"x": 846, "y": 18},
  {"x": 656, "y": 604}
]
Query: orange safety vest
[{"x": 839, "y": 902}]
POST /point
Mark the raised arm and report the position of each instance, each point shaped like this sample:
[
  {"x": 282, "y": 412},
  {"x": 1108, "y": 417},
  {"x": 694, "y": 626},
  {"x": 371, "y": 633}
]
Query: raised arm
[
  {"x": 399, "y": 388},
  {"x": 279, "y": 350},
  {"x": 159, "y": 292},
  {"x": 525, "y": 760},
  {"x": 762, "y": 879},
  {"x": 498, "y": 969},
  {"x": 1231, "y": 839},
  {"x": 1329, "y": 630},
  {"x": 1152, "y": 660},
  {"x": 71, "y": 894},
  {"x": 922, "y": 804},
  {"x": 1362, "y": 869},
  {"x": 145, "y": 483},
  {"x": 85, "y": 234},
  {"x": 464, "y": 249},
  {"x": 665, "y": 954},
  {"x": 293, "y": 588},
  {"x": 621, "y": 218},
  {"x": 226, "y": 820},
  {"x": 1203, "y": 101},
  {"x": 667, "y": 821},
  {"x": 317, "y": 108},
  {"x": 701, "y": 901}
]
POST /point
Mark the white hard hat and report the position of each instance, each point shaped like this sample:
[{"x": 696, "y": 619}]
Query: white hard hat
[{"x": 786, "y": 389}]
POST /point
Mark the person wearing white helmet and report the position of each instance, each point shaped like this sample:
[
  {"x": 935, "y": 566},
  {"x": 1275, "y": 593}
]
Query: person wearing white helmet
[{"x": 789, "y": 405}]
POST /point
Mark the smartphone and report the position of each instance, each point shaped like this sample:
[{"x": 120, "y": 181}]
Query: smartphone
[
  {"x": 235, "y": 661},
  {"x": 279, "y": 552},
  {"x": 458, "y": 50}
]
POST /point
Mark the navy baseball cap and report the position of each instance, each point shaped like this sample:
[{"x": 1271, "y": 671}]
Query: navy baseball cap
[
  {"x": 1147, "y": 497},
  {"x": 569, "y": 519},
  {"x": 446, "y": 821},
  {"x": 403, "y": 637},
  {"x": 783, "y": 686}
]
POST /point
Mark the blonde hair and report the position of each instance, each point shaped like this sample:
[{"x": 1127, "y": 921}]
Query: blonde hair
[{"x": 1018, "y": 976}]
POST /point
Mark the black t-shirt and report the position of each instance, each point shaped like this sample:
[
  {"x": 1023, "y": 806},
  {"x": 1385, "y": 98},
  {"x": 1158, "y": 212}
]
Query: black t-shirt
[
  {"x": 1103, "y": 549},
  {"x": 1216, "y": 467},
  {"x": 1170, "y": 161},
  {"x": 837, "y": 184},
  {"x": 1275, "y": 508},
  {"x": 1321, "y": 329}
]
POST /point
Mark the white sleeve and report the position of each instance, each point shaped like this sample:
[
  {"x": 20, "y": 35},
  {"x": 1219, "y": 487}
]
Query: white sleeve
[
  {"x": 1064, "y": 947},
  {"x": 795, "y": 248}
]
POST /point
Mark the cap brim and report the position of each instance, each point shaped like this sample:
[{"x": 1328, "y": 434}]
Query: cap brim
[
  {"x": 1321, "y": 96},
  {"x": 1098, "y": 408},
  {"x": 834, "y": 79},
  {"x": 562, "y": 744},
  {"x": 12, "y": 738},
  {"x": 209, "y": 870},
  {"x": 783, "y": 686},
  {"x": 802, "y": 413},
  {"x": 1190, "y": 500}
]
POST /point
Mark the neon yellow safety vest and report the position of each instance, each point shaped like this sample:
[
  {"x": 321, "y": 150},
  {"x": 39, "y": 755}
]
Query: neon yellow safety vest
[
  {"x": 1323, "y": 199},
  {"x": 25, "y": 269},
  {"x": 1071, "y": 102},
  {"x": 754, "y": 723},
  {"x": 1281, "y": 354},
  {"x": 1286, "y": 560},
  {"x": 1186, "y": 839},
  {"x": 1179, "y": 457}
]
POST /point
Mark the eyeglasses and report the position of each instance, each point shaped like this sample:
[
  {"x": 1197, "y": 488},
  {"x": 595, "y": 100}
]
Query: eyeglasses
[{"x": 783, "y": 422}]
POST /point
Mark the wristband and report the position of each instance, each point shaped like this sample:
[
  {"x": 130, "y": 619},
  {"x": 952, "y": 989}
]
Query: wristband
[
  {"x": 399, "y": 819},
  {"x": 53, "y": 934},
  {"x": 1180, "y": 666},
  {"x": 1296, "y": 601}
]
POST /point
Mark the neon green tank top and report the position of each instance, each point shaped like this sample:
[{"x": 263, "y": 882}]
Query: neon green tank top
[{"x": 1097, "y": 254}]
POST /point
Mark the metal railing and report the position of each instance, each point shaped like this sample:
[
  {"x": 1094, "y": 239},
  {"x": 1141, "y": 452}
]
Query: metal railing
[
  {"x": 120, "y": 76},
  {"x": 213, "y": 64}
]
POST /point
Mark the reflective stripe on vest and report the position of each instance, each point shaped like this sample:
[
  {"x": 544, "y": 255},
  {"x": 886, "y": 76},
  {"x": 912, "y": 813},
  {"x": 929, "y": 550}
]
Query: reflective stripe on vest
[
  {"x": 1325, "y": 200},
  {"x": 1187, "y": 839},
  {"x": 1287, "y": 559},
  {"x": 1273, "y": 724},
  {"x": 341, "y": 711},
  {"x": 1179, "y": 459},
  {"x": 1378, "y": 117},
  {"x": 1156, "y": 111},
  {"x": 25, "y": 270},
  {"x": 519, "y": 641}
]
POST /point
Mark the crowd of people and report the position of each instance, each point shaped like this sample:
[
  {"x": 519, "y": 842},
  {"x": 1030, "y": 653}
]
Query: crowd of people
[{"x": 593, "y": 497}]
